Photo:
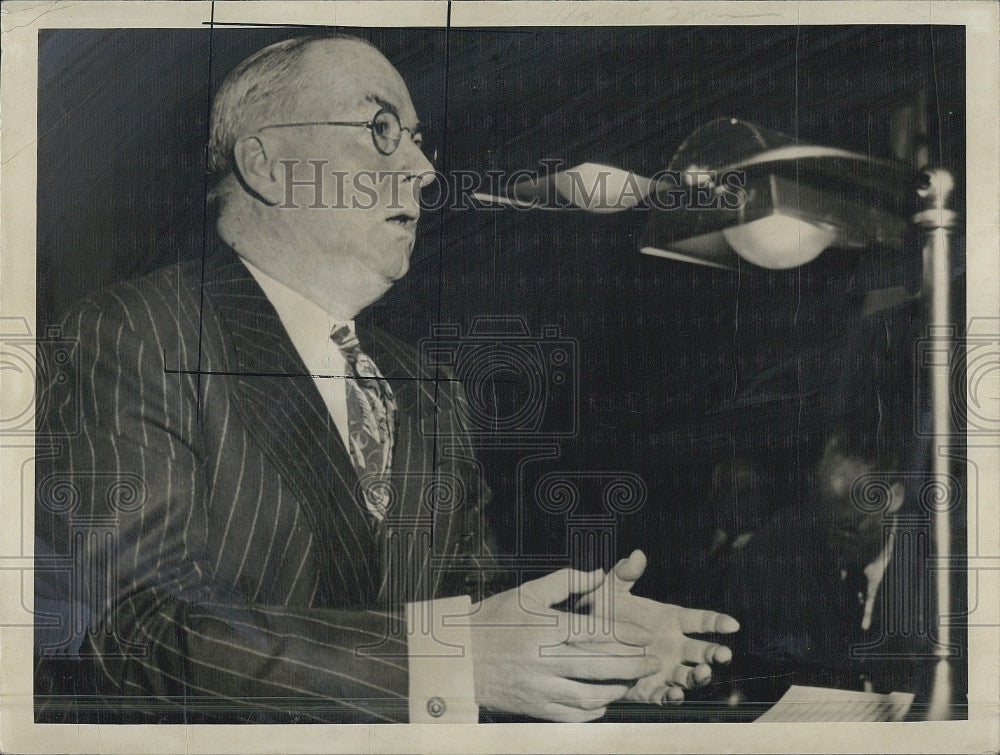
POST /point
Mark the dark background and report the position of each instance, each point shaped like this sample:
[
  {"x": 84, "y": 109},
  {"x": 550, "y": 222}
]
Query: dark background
[{"x": 678, "y": 366}]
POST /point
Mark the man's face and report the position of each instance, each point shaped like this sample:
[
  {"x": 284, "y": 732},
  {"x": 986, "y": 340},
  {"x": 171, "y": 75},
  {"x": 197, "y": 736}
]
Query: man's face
[
  {"x": 368, "y": 218},
  {"x": 859, "y": 514}
]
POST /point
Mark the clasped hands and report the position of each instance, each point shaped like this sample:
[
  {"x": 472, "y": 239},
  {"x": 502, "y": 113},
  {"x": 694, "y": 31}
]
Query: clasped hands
[{"x": 529, "y": 658}]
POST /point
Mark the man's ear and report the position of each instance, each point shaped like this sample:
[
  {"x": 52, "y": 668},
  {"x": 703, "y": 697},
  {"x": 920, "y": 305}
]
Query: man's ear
[{"x": 257, "y": 169}]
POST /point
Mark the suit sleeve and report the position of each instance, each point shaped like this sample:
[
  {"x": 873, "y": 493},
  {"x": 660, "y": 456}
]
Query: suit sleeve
[
  {"x": 478, "y": 541},
  {"x": 127, "y": 492}
]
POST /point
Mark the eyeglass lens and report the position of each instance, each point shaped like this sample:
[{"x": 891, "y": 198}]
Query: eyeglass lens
[{"x": 387, "y": 132}]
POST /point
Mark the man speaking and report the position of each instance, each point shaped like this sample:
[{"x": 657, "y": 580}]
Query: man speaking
[{"x": 261, "y": 528}]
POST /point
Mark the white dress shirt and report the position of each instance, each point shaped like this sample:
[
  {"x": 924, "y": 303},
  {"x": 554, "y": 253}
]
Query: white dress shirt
[{"x": 442, "y": 686}]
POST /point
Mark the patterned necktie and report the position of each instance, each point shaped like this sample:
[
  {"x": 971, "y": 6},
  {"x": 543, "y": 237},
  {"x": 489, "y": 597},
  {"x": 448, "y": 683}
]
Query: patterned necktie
[{"x": 371, "y": 413}]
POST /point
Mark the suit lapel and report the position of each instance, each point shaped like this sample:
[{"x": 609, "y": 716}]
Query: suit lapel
[
  {"x": 418, "y": 478},
  {"x": 285, "y": 414}
]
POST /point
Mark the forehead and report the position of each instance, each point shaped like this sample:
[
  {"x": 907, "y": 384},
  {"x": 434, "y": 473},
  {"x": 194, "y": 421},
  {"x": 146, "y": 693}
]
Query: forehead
[{"x": 351, "y": 76}]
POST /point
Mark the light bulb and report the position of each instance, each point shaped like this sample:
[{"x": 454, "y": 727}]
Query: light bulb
[{"x": 779, "y": 242}]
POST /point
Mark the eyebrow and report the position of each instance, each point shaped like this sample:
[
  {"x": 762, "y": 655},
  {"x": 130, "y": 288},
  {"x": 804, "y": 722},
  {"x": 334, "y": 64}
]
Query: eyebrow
[{"x": 384, "y": 103}]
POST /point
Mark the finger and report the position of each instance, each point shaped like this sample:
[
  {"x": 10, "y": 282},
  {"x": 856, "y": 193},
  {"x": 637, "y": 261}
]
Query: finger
[
  {"x": 597, "y": 628},
  {"x": 725, "y": 624},
  {"x": 625, "y": 573},
  {"x": 697, "y": 621},
  {"x": 594, "y": 646},
  {"x": 631, "y": 568},
  {"x": 692, "y": 677},
  {"x": 697, "y": 651},
  {"x": 664, "y": 694},
  {"x": 566, "y": 715},
  {"x": 601, "y": 650},
  {"x": 587, "y": 666},
  {"x": 576, "y": 694},
  {"x": 683, "y": 675},
  {"x": 559, "y": 585},
  {"x": 701, "y": 675},
  {"x": 669, "y": 694},
  {"x": 631, "y": 634},
  {"x": 721, "y": 655}
]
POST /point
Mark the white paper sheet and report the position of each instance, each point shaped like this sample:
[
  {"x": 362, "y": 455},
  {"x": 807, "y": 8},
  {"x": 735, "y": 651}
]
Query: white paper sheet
[{"x": 823, "y": 704}]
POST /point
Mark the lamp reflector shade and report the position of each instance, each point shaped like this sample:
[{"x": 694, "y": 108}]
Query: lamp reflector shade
[{"x": 775, "y": 202}]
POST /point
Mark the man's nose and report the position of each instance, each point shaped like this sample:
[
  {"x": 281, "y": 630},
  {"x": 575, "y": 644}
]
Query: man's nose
[{"x": 418, "y": 167}]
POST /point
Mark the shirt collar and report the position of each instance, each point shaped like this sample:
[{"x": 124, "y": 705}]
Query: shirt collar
[{"x": 308, "y": 325}]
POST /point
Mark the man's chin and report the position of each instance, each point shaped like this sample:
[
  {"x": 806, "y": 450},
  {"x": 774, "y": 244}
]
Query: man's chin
[{"x": 401, "y": 270}]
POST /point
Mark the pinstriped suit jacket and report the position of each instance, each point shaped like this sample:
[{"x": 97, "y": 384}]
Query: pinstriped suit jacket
[{"x": 219, "y": 546}]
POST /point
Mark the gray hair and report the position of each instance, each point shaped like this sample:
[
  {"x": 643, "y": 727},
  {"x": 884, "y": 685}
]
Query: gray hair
[{"x": 262, "y": 85}]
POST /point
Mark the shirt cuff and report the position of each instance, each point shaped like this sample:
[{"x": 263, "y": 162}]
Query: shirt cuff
[{"x": 442, "y": 687}]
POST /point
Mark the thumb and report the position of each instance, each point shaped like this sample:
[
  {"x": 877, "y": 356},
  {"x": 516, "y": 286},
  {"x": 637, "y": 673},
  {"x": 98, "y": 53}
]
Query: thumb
[
  {"x": 631, "y": 568},
  {"x": 626, "y": 572},
  {"x": 559, "y": 585}
]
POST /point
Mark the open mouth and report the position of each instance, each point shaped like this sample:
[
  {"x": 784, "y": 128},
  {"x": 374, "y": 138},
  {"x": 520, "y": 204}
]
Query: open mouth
[{"x": 404, "y": 220}]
